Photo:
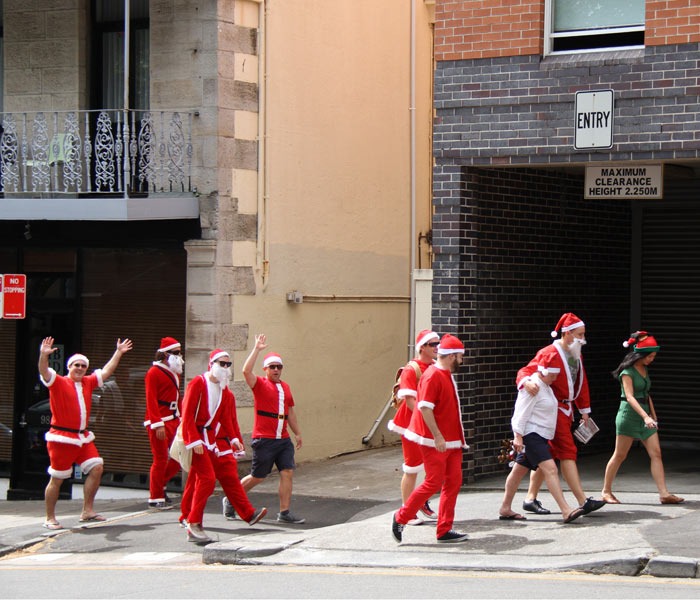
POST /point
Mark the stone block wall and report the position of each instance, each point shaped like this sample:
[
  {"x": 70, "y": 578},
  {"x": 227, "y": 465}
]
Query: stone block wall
[{"x": 514, "y": 249}]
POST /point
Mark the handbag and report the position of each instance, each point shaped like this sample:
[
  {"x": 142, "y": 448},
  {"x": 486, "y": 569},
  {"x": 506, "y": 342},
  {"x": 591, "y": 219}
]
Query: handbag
[{"x": 178, "y": 450}]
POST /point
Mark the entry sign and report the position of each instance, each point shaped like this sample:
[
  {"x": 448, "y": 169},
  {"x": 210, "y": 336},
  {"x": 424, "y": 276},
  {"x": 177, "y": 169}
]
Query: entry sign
[
  {"x": 14, "y": 296},
  {"x": 624, "y": 181},
  {"x": 593, "y": 126}
]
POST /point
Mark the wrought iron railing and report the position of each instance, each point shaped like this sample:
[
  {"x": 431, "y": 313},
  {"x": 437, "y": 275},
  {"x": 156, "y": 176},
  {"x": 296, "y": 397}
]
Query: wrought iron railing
[{"x": 95, "y": 152}]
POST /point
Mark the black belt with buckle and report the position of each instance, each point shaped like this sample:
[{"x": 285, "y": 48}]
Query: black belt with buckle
[{"x": 264, "y": 413}]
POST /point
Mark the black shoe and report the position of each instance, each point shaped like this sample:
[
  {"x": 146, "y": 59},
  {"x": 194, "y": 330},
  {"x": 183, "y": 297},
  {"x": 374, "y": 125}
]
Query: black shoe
[
  {"x": 535, "y": 506},
  {"x": 396, "y": 529},
  {"x": 161, "y": 505},
  {"x": 452, "y": 537},
  {"x": 167, "y": 499},
  {"x": 592, "y": 504}
]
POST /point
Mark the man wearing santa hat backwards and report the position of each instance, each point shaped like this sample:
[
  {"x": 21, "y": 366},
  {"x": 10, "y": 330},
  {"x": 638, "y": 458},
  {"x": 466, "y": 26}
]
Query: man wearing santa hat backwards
[
  {"x": 274, "y": 408},
  {"x": 163, "y": 416},
  {"x": 208, "y": 419},
  {"x": 426, "y": 347},
  {"x": 437, "y": 427},
  {"x": 68, "y": 440},
  {"x": 568, "y": 389}
]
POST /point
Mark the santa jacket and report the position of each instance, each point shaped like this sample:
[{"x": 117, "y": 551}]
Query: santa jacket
[
  {"x": 162, "y": 395},
  {"x": 437, "y": 391},
  {"x": 199, "y": 426},
  {"x": 227, "y": 435},
  {"x": 70, "y": 407},
  {"x": 408, "y": 386},
  {"x": 565, "y": 389}
]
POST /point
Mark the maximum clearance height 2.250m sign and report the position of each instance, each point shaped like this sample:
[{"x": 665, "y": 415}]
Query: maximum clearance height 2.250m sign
[{"x": 624, "y": 181}]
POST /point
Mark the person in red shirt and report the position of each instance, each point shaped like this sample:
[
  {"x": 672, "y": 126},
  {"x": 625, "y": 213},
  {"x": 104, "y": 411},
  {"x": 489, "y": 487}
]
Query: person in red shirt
[
  {"x": 274, "y": 410},
  {"x": 163, "y": 416},
  {"x": 426, "y": 349},
  {"x": 68, "y": 440},
  {"x": 437, "y": 427},
  {"x": 571, "y": 387}
]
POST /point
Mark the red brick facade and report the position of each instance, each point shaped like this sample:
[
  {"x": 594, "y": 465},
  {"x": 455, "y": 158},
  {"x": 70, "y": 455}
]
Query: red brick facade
[{"x": 672, "y": 22}]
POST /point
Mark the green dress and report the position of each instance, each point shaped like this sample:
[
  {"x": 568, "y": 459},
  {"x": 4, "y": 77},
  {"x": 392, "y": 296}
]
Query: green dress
[{"x": 628, "y": 422}]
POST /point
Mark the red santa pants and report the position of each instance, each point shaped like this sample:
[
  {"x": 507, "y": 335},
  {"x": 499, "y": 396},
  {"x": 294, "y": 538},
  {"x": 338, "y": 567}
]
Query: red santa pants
[
  {"x": 443, "y": 473},
  {"x": 225, "y": 469},
  {"x": 412, "y": 456},
  {"x": 163, "y": 468},
  {"x": 563, "y": 446},
  {"x": 202, "y": 471}
]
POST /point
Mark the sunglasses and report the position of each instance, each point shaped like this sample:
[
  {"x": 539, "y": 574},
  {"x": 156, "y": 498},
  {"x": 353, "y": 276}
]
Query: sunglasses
[
  {"x": 433, "y": 344},
  {"x": 175, "y": 352},
  {"x": 274, "y": 367},
  {"x": 225, "y": 364},
  {"x": 79, "y": 366}
]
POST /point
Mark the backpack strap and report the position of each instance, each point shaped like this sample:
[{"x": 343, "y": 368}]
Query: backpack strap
[{"x": 416, "y": 368}]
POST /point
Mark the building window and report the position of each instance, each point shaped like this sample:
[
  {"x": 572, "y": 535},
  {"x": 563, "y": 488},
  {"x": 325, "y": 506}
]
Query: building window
[{"x": 586, "y": 26}]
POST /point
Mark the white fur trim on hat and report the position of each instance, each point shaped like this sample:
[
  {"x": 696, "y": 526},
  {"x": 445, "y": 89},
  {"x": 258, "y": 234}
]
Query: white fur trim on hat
[
  {"x": 272, "y": 358},
  {"x": 218, "y": 355},
  {"x": 75, "y": 357},
  {"x": 170, "y": 347},
  {"x": 426, "y": 338}
]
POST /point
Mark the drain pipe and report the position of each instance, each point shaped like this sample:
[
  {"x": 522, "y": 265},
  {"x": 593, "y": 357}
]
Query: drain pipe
[
  {"x": 412, "y": 112},
  {"x": 262, "y": 252}
]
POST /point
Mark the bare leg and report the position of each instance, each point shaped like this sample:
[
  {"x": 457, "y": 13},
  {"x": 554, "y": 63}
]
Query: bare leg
[
  {"x": 512, "y": 482},
  {"x": 657, "y": 466},
  {"x": 285, "y": 488},
  {"x": 408, "y": 484},
  {"x": 53, "y": 489},
  {"x": 536, "y": 480},
  {"x": 551, "y": 476},
  {"x": 92, "y": 484},
  {"x": 249, "y": 482},
  {"x": 623, "y": 443},
  {"x": 569, "y": 471}
]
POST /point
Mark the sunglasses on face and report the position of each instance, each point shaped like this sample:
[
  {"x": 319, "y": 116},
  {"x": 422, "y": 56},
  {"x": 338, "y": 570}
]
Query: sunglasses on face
[
  {"x": 277, "y": 367},
  {"x": 225, "y": 364},
  {"x": 175, "y": 352},
  {"x": 433, "y": 344},
  {"x": 79, "y": 366}
]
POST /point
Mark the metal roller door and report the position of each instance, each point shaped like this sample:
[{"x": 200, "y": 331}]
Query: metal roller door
[{"x": 666, "y": 302}]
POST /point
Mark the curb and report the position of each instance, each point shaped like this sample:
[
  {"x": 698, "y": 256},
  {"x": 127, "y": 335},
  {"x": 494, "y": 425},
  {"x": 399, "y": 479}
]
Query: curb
[
  {"x": 672, "y": 566},
  {"x": 226, "y": 554}
]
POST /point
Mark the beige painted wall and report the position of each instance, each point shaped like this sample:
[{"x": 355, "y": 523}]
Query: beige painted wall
[{"x": 338, "y": 208}]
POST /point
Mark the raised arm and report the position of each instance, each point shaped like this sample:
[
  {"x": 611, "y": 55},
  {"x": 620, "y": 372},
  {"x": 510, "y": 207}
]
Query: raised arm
[
  {"x": 110, "y": 367},
  {"x": 249, "y": 364},
  {"x": 45, "y": 349}
]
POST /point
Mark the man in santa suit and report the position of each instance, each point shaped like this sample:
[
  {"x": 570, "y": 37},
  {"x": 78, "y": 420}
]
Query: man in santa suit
[
  {"x": 210, "y": 428},
  {"x": 570, "y": 387},
  {"x": 437, "y": 428},
  {"x": 163, "y": 416},
  {"x": 68, "y": 441},
  {"x": 426, "y": 348},
  {"x": 274, "y": 409}
]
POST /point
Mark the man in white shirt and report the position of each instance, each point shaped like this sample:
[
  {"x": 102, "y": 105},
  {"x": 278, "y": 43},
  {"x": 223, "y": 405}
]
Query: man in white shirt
[{"x": 534, "y": 422}]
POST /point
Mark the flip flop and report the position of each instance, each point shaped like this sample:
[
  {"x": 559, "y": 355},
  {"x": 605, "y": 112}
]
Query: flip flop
[
  {"x": 574, "y": 514},
  {"x": 672, "y": 500},
  {"x": 514, "y": 517},
  {"x": 93, "y": 518},
  {"x": 52, "y": 526}
]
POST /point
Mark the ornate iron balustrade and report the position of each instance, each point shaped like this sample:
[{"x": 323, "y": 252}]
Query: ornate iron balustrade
[{"x": 95, "y": 152}]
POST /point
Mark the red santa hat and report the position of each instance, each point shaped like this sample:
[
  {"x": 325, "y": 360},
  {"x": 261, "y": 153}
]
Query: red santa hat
[
  {"x": 641, "y": 342},
  {"x": 546, "y": 362},
  {"x": 424, "y": 337},
  {"x": 168, "y": 343},
  {"x": 449, "y": 344},
  {"x": 216, "y": 355},
  {"x": 567, "y": 322},
  {"x": 272, "y": 358},
  {"x": 75, "y": 357}
]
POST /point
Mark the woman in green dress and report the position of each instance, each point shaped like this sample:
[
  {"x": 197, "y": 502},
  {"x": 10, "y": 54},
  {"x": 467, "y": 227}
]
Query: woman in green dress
[{"x": 636, "y": 418}]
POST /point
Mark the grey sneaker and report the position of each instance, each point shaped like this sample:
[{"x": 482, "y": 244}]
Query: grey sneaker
[
  {"x": 287, "y": 517},
  {"x": 196, "y": 534},
  {"x": 229, "y": 511},
  {"x": 257, "y": 515},
  {"x": 160, "y": 505}
]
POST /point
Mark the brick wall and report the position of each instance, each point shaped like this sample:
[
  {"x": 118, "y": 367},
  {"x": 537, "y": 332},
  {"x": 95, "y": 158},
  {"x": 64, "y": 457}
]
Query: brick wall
[
  {"x": 473, "y": 29},
  {"x": 515, "y": 248},
  {"x": 520, "y": 109},
  {"x": 672, "y": 22},
  {"x": 476, "y": 29}
]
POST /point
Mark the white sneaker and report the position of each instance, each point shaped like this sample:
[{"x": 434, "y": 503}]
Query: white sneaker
[
  {"x": 416, "y": 521},
  {"x": 196, "y": 534}
]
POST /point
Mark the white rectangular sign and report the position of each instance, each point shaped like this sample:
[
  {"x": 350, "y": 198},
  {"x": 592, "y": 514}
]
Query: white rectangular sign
[
  {"x": 624, "y": 181},
  {"x": 593, "y": 124}
]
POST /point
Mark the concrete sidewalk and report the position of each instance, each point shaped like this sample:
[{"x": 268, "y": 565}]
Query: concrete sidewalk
[{"x": 638, "y": 536}]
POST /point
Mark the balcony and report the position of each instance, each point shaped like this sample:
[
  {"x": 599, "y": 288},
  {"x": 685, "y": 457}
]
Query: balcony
[{"x": 97, "y": 165}]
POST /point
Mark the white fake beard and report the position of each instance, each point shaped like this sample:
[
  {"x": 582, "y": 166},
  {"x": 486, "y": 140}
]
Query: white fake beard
[
  {"x": 576, "y": 347},
  {"x": 175, "y": 362},
  {"x": 222, "y": 374}
]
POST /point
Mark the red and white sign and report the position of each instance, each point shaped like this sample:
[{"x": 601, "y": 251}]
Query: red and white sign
[{"x": 14, "y": 296}]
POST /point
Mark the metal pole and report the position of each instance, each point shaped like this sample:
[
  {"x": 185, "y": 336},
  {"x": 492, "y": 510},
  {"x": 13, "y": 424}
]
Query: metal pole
[{"x": 127, "y": 34}]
